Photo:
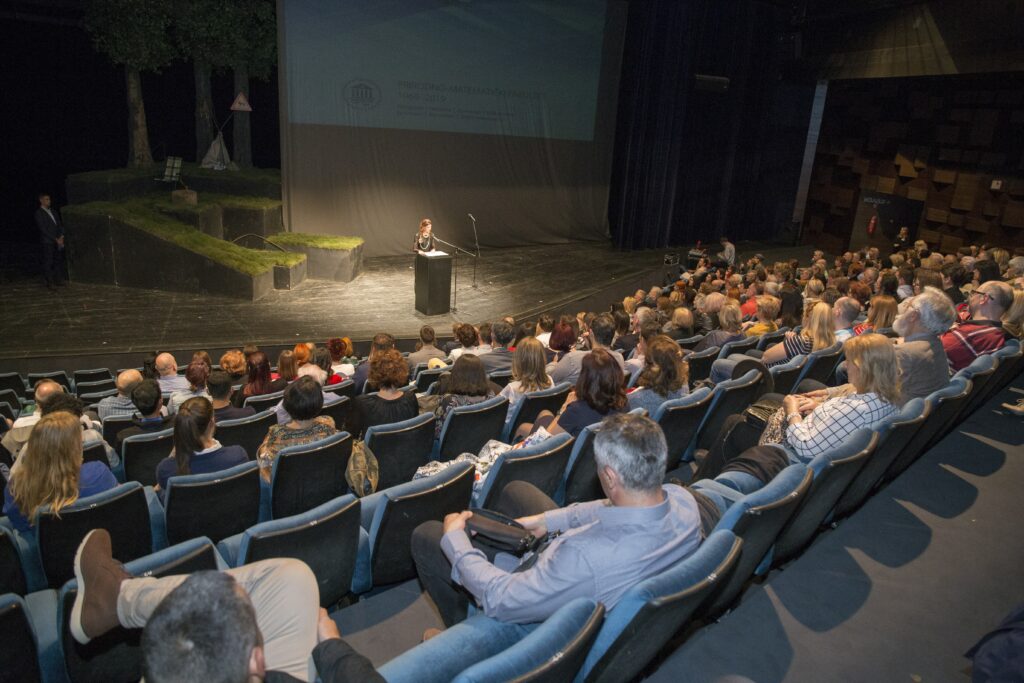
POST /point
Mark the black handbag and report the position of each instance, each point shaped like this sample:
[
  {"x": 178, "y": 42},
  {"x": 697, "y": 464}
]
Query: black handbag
[
  {"x": 758, "y": 413},
  {"x": 503, "y": 533}
]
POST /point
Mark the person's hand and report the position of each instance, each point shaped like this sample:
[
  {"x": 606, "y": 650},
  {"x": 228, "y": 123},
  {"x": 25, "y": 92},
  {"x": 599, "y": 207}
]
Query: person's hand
[
  {"x": 806, "y": 405},
  {"x": 456, "y": 521},
  {"x": 326, "y": 628},
  {"x": 534, "y": 524},
  {"x": 791, "y": 404},
  {"x": 569, "y": 399},
  {"x": 817, "y": 394}
]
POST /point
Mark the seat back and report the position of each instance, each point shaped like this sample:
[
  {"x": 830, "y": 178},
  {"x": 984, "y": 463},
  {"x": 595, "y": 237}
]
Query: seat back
[
  {"x": 1011, "y": 357},
  {"x": 738, "y": 346},
  {"x": 19, "y": 656},
  {"x": 122, "y": 511},
  {"x": 100, "y": 386},
  {"x": 581, "y": 483},
  {"x": 92, "y": 375},
  {"x": 401, "y": 448},
  {"x": 784, "y": 376},
  {"x": 12, "y": 576},
  {"x": 730, "y": 397},
  {"x": 769, "y": 339},
  {"x": 655, "y": 609},
  {"x": 680, "y": 419},
  {"x": 215, "y": 505},
  {"x": 821, "y": 363},
  {"x": 531, "y": 405},
  {"x": 428, "y": 377},
  {"x": 982, "y": 373},
  {"x": 344, "y": 388},
  {"x": 542, "y": 465},
  {"x": 12, "y": 381},
  {"x": 116, "y": 656},
  {"x": 407, "y": 506},
  {"x": 247, "y": 432},
  {"x": 113, "y": 424},
  {"x": 338, "y": 411},
  {"x": 758, "y": 518},
  {"x": 700, "y": 363},
  {"x": 7, "y": 409},
  {"x": 895, "y": 434},
  {"x": 141, "y": 453},
  {"x": 551, "y": 653},
  {"x": 58, "y": 376},
  {"x": 947, "y": 409},
  {"x": 690, "y": 342},
  {"x": 95, "y": 451},
  {"x": 500, "y": 377},
  {"x": 833, "y": 472},
  {"x": 309, "y": 475},
  {"x": 326, "y": 538},
  {"x": 467, "y": 428},
  {"x": 264, "y": 401}
]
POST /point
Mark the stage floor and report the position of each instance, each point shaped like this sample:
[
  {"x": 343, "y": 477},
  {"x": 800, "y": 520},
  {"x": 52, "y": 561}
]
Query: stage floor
[{"x": 47, "y": 330}]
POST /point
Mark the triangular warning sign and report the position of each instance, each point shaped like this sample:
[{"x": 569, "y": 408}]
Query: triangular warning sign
[{"x": 241, "y": 103}]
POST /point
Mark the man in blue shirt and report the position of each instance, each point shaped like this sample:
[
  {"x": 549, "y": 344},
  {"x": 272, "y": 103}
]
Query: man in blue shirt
[{"x": 603, "y": 547}]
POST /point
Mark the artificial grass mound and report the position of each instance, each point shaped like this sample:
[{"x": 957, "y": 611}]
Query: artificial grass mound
[
  {"x": 206, "y": 199},
  {"x": 142, "y": 213},
  {"x": 188, "y": 169},
  {"x": 301, "y": 239}
]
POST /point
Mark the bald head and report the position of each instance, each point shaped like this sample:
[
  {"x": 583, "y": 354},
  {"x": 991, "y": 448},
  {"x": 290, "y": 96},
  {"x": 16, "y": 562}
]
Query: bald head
[
  {"x": 46, "y": 388},
  {"x": 127, "y": 380},
  {"x": 166, "y": 365}
]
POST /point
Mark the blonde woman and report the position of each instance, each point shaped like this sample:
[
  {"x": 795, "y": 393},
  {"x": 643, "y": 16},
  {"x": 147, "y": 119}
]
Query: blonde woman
[
  {"x": 681, "y": 324},
  {"x": 528, "y": 373},
  {"x": 730, "y": 328},
  {"x": 881, "y": 314},
  {"x": 1013, "y": 319},
  {"x": 49, "y": 471},
  {"x": 817, "y": 334},
  {"x": 767, "y": 311},
  {"x": 629, "y": 305},
  {"x": 813, "y": 289}
]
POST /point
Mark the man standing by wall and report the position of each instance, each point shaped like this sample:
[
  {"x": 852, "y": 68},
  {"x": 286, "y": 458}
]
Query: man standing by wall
[{"x": 51, "y": 234}]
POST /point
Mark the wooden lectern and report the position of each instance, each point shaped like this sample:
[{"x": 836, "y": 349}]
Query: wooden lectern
[{"x": 433, "y": 282}]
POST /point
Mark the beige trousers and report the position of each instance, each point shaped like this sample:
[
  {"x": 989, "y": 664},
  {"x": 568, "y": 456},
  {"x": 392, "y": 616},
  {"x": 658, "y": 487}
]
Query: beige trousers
[{"x": 284, "y": 593}]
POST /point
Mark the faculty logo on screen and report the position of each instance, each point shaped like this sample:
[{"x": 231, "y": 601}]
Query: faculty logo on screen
[{"x": 362, "y": 94}]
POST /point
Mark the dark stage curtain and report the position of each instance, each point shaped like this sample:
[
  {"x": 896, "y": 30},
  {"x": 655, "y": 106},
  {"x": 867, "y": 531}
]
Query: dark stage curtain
[{"x": 690, "y": 163}]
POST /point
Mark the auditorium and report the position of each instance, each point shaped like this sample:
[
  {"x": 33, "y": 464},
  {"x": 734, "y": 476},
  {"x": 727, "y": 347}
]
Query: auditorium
[{"x": 429, "y": 341}]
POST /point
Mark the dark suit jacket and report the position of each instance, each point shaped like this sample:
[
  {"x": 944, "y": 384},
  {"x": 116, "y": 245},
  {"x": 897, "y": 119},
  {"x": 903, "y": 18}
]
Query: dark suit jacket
[
  {"x": 49, "y": 228},
  {"x": 497, "y": 360}
]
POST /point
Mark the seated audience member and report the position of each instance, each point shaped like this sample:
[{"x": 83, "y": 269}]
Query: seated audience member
[
  {"x": 426, "y": 350},
  {"x": 680, "y": 325},
  {"x": 170, "y": 381},
  {"x": 18, "y": 434},
  {"x": 545, "y": 325},
  {"x": 523, "y": 330},
  {"x": 881, "y": 314},
  {"x": 562, "y": 341},
  {"x": 625, "y": 339},
  {"x": 844, "y": 313},
  {"x": 287, "y": 371},
  {"x": 150, "y": 417},
  {"x": 466, "y": 335},
  {"x": 317, "y": 375},
  {"x": 195, "y": 450},
  {"x": 791, "y": 309},
  {"x": 91, "y": 431},
  {"x": 599, "y": 336},
  {"x": 953, "y": 276},
  {"x": 303, "y": 354},
  {"x": 730, "y": 322},
  {"x": 808, "y": 426},
  {"x": 466, "y": 385},
  {"x": 219, "y": 387},
  {"x": 983, "y": 331},
  {"x": 381, "y": 342},
  {"x": 258, "y": 382},
  {"x": 483, "y": 336},
  {"x": 50, "y": 471},
  {"x": 196, "y": 373},
  {"x": 251, "y": 623},
  {"x": 598, "y": 393},
  {"x": 202, "y": 357},
  {"x": 528, "y": 373},
  {"x": 663, "y": 378},
  {"x": 389, "y": 372},
  {"x": 342, "y": 355},
  {"x": 120, "y": 404},
  {"x": 149, "y": 370},
  {"x": 604, "y": 548},
  {"x": 302, "y": 403},
  {"x": 499, "y": 358},
  {"x": 233, "y": 363},
  {"x": 322, "y": 359},
  {"x": 248, "y": 350},
  {"x": 648, "y": 331},
  {"x": 1013, "y": 319},
  {"x": 766, "y": 312}
]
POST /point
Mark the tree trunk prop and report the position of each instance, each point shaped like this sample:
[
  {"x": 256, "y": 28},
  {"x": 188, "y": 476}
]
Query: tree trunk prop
[
  {"x": 243, "y": 130},
  {"x": 206, "y": 127},
  {"x": 139, "y": 154}
]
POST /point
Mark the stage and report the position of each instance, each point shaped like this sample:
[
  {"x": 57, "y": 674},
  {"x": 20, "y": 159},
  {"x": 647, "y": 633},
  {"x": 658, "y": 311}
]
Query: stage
[{"x": 115, "y": 326}]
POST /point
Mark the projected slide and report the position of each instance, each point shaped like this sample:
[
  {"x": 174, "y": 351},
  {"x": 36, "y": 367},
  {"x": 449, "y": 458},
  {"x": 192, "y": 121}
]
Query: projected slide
[{"x": 494, "y": 67}]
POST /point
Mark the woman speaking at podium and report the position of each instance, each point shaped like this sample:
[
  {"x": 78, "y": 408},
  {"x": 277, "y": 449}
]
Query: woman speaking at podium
[{"x": 425, "y": 237}]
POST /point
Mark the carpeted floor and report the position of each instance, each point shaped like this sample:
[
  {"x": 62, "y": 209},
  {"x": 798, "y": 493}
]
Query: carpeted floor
[{"x": 901, "y": 589}]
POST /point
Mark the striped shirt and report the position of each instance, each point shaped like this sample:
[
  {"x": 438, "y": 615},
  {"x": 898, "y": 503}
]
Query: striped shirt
[
  {"x": 970, "y": 339},
  {"x": 795, "y": 345},
  {"x": 119, "y": 405},
  {"x": 831, "y": 423}
]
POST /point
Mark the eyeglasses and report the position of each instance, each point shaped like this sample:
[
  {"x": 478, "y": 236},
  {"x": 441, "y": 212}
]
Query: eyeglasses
[{"x": 980, "y": 293}]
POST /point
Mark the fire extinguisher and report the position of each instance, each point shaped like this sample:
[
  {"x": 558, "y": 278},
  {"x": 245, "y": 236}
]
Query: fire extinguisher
[{"x": 872, "y": 224}]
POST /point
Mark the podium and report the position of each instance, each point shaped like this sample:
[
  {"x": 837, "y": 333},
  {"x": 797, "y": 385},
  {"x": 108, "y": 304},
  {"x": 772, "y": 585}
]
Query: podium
[{"x": 433, "y": 282}]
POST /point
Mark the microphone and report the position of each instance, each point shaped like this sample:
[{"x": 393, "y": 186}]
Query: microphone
[{"x": 471, "y": 217}]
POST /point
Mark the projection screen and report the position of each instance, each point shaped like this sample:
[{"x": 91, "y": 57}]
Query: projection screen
[{"x": 395, "y": 111}]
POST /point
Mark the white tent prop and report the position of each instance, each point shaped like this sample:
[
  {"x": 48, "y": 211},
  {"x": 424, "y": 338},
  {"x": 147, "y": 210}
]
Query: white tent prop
[{"x": 217, "y": 156}]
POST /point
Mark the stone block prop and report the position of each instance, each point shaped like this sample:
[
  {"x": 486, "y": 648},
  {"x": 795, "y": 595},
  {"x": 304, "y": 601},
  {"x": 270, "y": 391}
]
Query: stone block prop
[
  {"x": 206, "y": 218},
  {"x": 104, "y": 250},
  {"x": 186, "y": 197},
  {"x": 239, "y": 220},
  {"x": 286, "y": 277},
  {"x": 340, "y": 265}
]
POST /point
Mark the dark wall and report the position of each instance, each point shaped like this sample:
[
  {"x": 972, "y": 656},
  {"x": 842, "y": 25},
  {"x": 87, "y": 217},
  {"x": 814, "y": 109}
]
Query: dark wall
[
  {"x": 693, "y": 163},
  {"x": 938, "y": 140},
  {"x": 65, "y": 111}
]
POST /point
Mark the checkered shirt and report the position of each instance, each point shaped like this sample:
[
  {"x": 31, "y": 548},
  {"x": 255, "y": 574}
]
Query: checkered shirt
[{"x": 831, "y": 423}]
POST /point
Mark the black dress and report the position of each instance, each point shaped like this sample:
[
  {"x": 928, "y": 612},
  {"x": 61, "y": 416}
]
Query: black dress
[
  {"x": 369, "y": 410},
  {"x": 423, "y": 242}
]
